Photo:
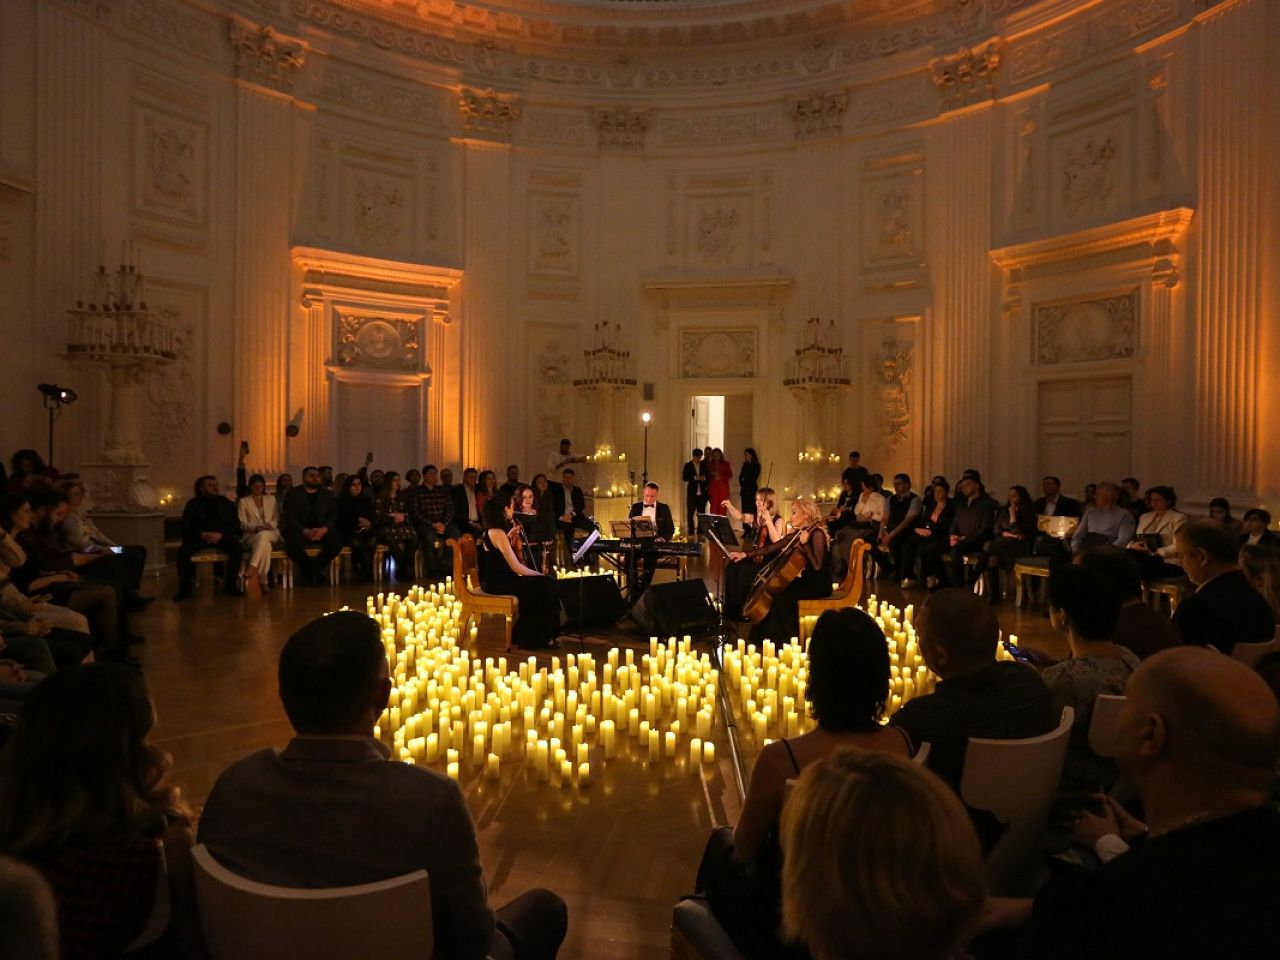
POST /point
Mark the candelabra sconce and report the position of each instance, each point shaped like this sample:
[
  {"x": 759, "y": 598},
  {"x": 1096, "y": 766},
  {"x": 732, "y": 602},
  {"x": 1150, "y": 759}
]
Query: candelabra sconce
[
  {"x": 607, "y": 374},
  {"x": 817, "y": 374}
]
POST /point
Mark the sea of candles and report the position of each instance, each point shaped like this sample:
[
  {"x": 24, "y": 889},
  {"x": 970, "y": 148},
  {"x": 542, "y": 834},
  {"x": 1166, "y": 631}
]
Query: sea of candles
[{"x": 448, "y": 706}]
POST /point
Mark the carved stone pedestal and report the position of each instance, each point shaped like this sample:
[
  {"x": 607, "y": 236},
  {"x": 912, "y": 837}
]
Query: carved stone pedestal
[{"x": 124, "y": 507}]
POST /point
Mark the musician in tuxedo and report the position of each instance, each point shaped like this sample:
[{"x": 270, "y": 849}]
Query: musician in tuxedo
[
  {"x": 570, "y": 507},
  {"x": 664, "y": 525}
]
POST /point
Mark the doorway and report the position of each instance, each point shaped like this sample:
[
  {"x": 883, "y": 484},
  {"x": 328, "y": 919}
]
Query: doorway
[
  {"x": 1085, "y": 428},
  {"x": 724, "y": 421}
]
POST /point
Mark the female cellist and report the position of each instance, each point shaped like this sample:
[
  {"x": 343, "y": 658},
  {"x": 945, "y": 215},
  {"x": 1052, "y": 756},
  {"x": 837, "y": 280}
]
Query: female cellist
[
  {"x": 809, "y": 540},
  {"x": 760, "y": 530}
]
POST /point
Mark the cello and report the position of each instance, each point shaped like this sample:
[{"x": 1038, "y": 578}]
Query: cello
[{"x": 776, "y": 575}]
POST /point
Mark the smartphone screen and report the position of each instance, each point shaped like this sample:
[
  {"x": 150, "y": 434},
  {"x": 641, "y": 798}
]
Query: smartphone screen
[{"x": 117, "y": 549}]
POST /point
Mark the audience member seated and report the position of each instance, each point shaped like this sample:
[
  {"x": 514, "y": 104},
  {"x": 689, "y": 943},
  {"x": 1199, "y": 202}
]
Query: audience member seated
[
  {"x": 1085, "y": 605},
  {"x": 310, "y": 519},
  {"x": 332, "y": 810},
  {"x": 1105, "y": 522},
  {"x": 741, "y": 869},
  {"x": 86, "y": 799},
  {"x": 467, "y": 516},
  {"x": 503, "y": 572},
  {"x": 29, "y": 470},
  {"x": 1220, "y": 510},
  {"x": 570, "y": 507},
  {"x": 928, "y": 536},
  {"x": 1225, "y": 609},
  {"x": 355, "y": 524},
  {"x": 39, "y": 635},
  {"x": 971, "y": 527},
  {"x": 391, "y": 518},
  {"x": 284, "y": 483},
  {"x": 209, "y": 522},
  {"x": 1154, "y": 545},
  {"x": 259, "y": 517},
  {"x": 1198, "y": 741},
  {"x": 94, "y": 603},
  {"x": 976, "y": 696},
  {"x": 1131, "y": 497},
  {"x": 1140, "y": 628},
  {"x": 82, "y": 535},
  {"x": 1090, "y": 495},
  {"x": 1261, "y": 565},
  {"x": 1054, "y": 503},
  {"x": 431, "y": 513},
  {"x": 1256, "y": 522},
  {"x": 28, "y": 914},
  {"x": 1013, "y": 535},
  {"x": 901, "y": 514},
  {"x": 880, "y": 861},
  {"x": 542, "y": 496},
  {"x": 513, "y": 480}
]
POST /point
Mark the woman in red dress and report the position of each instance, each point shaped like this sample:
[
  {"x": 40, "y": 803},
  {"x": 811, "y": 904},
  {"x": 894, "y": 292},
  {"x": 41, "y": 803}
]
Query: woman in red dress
[{"x": 720, "y": 473}]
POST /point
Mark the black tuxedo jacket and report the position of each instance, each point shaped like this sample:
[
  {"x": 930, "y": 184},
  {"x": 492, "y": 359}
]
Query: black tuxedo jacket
[
  {"x": 666, "y": 526},
  {"x": 1066, "y": 507},
  {"x": 557, "y": 500}
]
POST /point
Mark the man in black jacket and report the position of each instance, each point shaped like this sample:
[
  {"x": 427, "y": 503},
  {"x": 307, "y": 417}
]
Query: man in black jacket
[
  {"x": 659, "y": 514},
  {"x": 210, "y": 522},
  {"x": 570, "y": 507},
  {"x": 1225, "y": 609},
  {"x": 971, "y": 526},
  {"x": 310, "y": 519},
  {"x": 1053, "y": 503},
  {"x": 694, "y": 477}
]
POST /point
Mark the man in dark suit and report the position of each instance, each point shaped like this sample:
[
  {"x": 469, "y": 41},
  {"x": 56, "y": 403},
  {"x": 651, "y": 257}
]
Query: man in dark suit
[
  {"x": 659, "y": 514},
  {"x": 315, "y": 814},
  {"x": 1256, "y": 524},
  {"x": 466, "y": 512},
  {"x": 1053, "y": 503},
  {"x": 210, "y": 522},
  {"x": 1225, "y": 609},
  {"x": 694, "y": 477},
  {"x": 310, "y": 519},
  {"x": 570, "y": 507}
]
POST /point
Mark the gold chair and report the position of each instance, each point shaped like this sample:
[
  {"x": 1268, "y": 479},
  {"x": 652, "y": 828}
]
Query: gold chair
[
  {"x": 466, "y": 584},
  {"x": 846, "y": 595},
  {"x": 1060, "y": 528}
]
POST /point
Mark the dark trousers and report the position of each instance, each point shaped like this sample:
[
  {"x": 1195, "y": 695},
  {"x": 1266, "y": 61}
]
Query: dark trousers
[
  {"x": 695, "y": 504},
  {"x": 312, "y": 568},
  {"x": 134, "y": 559},
  {"x": 534, "y": 924},
  {"x": 362, "y": 545},
  {"x": 566, "y": 529},
  {"x": 231, "y": 546},
  {"x": 914, "y": 549},
  {"x": 955, "y": 560},
  {"x": 435, "y": 555}
]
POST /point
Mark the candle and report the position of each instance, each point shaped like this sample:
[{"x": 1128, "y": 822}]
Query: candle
[
  {"x": 566, "y": 773},
  {"x": 695, "y": 753},
  {"x": 452, "y": 771},
  {"x": 670, "y": 744},
  {"x": 582, "y": 753},
  {"x": 608, "y": 739},
  {"x": 491, "y": 768},
  {"x": 540, "y": 765},
  {"x": 584, "y": 774},
  {"x": 758, "y": 725},
  {"x": 654, "y": 749},
  {"x": 708, "y": 752}
]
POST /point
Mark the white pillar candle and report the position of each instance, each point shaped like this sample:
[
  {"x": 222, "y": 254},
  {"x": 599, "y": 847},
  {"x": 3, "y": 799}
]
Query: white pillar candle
[
  {"x": 669, "y": 744},
  {"x": 633, "y": 721},
  {"x": 695, "y": 753},
  {"x": 492, "y": 770},
  {"x": 478, "y": 750},
  {"x": 582, "y": 753},
  {"x": 608, "y": 739},
  {"x": 584, "y": 774},
  {"x": 452, "y": 770},
  {"x": 566, "y": 773},
  {"x": 540, "y": 766},
  {"x": 708, "y": 752},
  {"x": 654, "y": 746}
]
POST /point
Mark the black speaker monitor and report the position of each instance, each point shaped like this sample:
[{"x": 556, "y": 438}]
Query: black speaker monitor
[
  {"x": 680, "y": 607},
  {"x": 590, "y": 601}
]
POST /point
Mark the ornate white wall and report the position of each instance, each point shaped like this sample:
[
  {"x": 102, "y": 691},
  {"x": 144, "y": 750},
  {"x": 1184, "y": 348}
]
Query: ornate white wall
[{"x": 1039, "y": 226}]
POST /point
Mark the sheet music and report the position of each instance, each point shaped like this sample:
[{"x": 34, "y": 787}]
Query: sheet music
[{"x": 586, "y": 545}]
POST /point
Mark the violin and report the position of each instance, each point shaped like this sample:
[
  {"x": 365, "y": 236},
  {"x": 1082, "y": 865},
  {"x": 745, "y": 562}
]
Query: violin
[{"x": 776, "y": 575}]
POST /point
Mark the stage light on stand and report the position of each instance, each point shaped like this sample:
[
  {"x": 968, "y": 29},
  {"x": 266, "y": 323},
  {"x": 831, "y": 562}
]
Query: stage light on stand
[{"x": 646, "y": 418}]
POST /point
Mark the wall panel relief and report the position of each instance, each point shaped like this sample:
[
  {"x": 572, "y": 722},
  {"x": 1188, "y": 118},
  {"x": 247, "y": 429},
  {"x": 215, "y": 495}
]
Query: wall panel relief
[
  {"x": 892, "y": 213},
  {"x": 1081, "y": 331},
  {"x": 171, "y": 417},
  {"x": 551, "y": 362},
  {"x": 170, "y": 167},
  {"x": 378, "y": 210},
  {"x": 376, "y": 341},
  {"x": 889, "y": 392},
  {"x": 553, "y": 235},
  {"x": 718, "y": 353}
]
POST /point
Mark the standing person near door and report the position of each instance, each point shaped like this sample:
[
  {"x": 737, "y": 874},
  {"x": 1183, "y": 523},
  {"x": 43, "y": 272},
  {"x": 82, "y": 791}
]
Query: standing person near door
[
  {"x": 719, "y": 473},
  {"x": 749, "y": 479},
  {"x": 694, "y": 476}
]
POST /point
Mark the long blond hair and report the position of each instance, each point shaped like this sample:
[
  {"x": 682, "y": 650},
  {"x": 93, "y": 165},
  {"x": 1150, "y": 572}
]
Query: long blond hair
[
  {"x": 808, "y": 508},
  {"x": 880, "y": 859}
]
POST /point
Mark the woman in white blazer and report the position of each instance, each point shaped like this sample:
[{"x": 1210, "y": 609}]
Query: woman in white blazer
[{"x": 260, "y": 523}]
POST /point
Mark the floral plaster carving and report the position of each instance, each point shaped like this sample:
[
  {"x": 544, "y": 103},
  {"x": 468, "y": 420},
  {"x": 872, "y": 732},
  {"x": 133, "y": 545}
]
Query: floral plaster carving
[
  {"x": 555, "y": 224},
  {"x": 568, "y": 127},
  {"x": 1064, "y": 45},
  {"x": 265, "y": 56},
  {"x": 718, "y": 354},
  {"x": 1087, "y": 180},
  {"x": 172, "y": 25},
  {"x": 716, "y": 233},
  {"x": 171, "y": 388},
  {"x": 967, "y": 78},
  {"x": 488, "y": 114},
  {"x": 378, "y": 209},
  {"x": 169, "y": 179},
  {"x": 383, "y": 99},
  {"x": 710, "y": 130},
  {"x": 891, "y": 383},
  {"x": 379, "y": 342},
  {"x": 895, "y": 223},
  {"x": 819, "y": 115},
  {"x": 621, "y": 129},
  {"x": 1085, "y": 330}
]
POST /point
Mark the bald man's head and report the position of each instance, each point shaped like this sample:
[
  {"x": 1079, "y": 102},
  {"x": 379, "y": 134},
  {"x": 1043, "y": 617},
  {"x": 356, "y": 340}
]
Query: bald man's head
[
  {"x": 1203, "y": 712},
  {"x": 958, "y": 632}
]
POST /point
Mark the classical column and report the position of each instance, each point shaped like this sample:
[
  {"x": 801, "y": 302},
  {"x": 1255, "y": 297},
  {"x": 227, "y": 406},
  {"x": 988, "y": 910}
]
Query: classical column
[
  {"x": 68, "y": 212},
  {"x": 958, "y": 330},
  {"x": 488, "y": 397},
  {"x": 267, "y": 148},
  {"x": 1228, "y": 257}
]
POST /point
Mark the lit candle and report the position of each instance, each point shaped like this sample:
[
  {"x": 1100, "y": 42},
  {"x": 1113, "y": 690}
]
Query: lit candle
[
  {"x": 452, "y": 771},
  {"x": 695, "y": 753},
  {"x": 670, "y": 744},
  {"x": 491, "y": 769},
  {"x": 566, "y": 773},
  {"x": 654, "y": 747},
  {"x": 608, "y": 739},
  {"x": 584, "y": 774},
  {"x": 708, "y": 752}
]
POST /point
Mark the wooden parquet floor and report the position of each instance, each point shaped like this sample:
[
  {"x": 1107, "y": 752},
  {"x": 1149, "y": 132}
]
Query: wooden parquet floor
[{"x": 621, "y": 851}]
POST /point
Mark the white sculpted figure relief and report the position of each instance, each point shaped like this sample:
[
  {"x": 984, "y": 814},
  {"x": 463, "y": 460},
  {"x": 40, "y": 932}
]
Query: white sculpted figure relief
[
  {"x": 551, "y": 383},
  {"x": 1087, "y": 179},
  {"x": 171, "y": 387},
  {"x": 716, "y": 233},
  {"x": 377, "y": 210},
  {"x": 1087, "y": 330},
  {"x": 896, "y": 237},
  {"x": 891, "y": 369}
]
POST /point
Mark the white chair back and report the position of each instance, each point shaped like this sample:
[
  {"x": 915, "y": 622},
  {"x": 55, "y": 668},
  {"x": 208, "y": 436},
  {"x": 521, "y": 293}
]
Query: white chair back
[
  {"x": 1250, "y": 653},
  {"x": 1103, "y": 723},
  {"x": 922, "y": 754},
  {"x": 247, "y": 920},
  {"x": 1016, "y": 780},
  {"x": 161, "y": 909}
]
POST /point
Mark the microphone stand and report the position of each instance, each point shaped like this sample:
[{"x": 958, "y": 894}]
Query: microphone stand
[{"x": 717, "y": 660}]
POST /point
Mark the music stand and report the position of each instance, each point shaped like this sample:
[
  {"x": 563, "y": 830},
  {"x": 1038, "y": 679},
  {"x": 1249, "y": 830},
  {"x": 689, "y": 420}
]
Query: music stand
[
  {"x": 719, "y": 526},
  {"x": 709, "y": 529},
  {"x": 637, "y": 528},
  {"x": 574, "y": 558}
]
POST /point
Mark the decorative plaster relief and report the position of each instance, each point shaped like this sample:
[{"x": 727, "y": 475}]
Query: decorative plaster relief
[
  {"x": 725, "y": 129},
  {"x": 718, "y": 354},
  {"x": 172, "y": 388},
  {"x": 1087, "y": 178},
  {"x": 716, "y": 226},
  {"x": 621, "y": 129},
  {"x": 968, "y": 78},
  {"x": 378, "y": 209},
  {"x": 1080, "y": 331},
  {"x": 170, "y": 166},
  {"x": 383, "y": 343},
  {"x": 554, "y": 235},
  {"x": 890, "y": 385},
  {"x": 265, "y": 56},
  {"x": 550, "y": 388},
  {"x": 424, "y": 105},
  {"x": 566, "y": 127},
  {"x": 893, "y": 101},
  {"x": 171, "y": 25},
  {"x": 818, "y": 116},
  {"x": 488, "y": 115},
  {"x": 893, "y": 212},
  {"x": 1075, "y": 41}
]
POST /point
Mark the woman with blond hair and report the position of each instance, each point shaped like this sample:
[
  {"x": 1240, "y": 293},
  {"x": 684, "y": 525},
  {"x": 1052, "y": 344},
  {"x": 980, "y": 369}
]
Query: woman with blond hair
[
  {"x": 880, "y": 860},
  {"x": 814, "y": 581}
]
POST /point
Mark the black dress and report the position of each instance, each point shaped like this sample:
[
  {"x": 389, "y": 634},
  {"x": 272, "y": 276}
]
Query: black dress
[
  {"x": 748, "y": 484},
  {"x": 538, "y": 620},
  {"x": 783, "y": 620},
  {"x": 351, "y": 510},
  {"x": 739, "y": 577},
  {"x": 400, "y": 537}
]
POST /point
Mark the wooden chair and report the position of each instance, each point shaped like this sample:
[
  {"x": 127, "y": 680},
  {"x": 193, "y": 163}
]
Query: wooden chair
[
  {"x": 1250, "y": 653},
  {"x": 335, "y": 566},
  {"x": 846, "y": 595},
  {"x": 1017, "y": 781},
  {"x": 209, "y": 557},
  {"x": 1103, "y": 723},
  {"x": 246, "y": 920},
  {"x": 466, "y": 584},
  {"x": 1060, "y": 528},
  {"x": 1171, "y": 587}
]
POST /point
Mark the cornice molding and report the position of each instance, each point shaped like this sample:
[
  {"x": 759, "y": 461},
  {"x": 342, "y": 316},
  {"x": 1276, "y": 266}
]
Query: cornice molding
[{"x": 1144, "y": 231}]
